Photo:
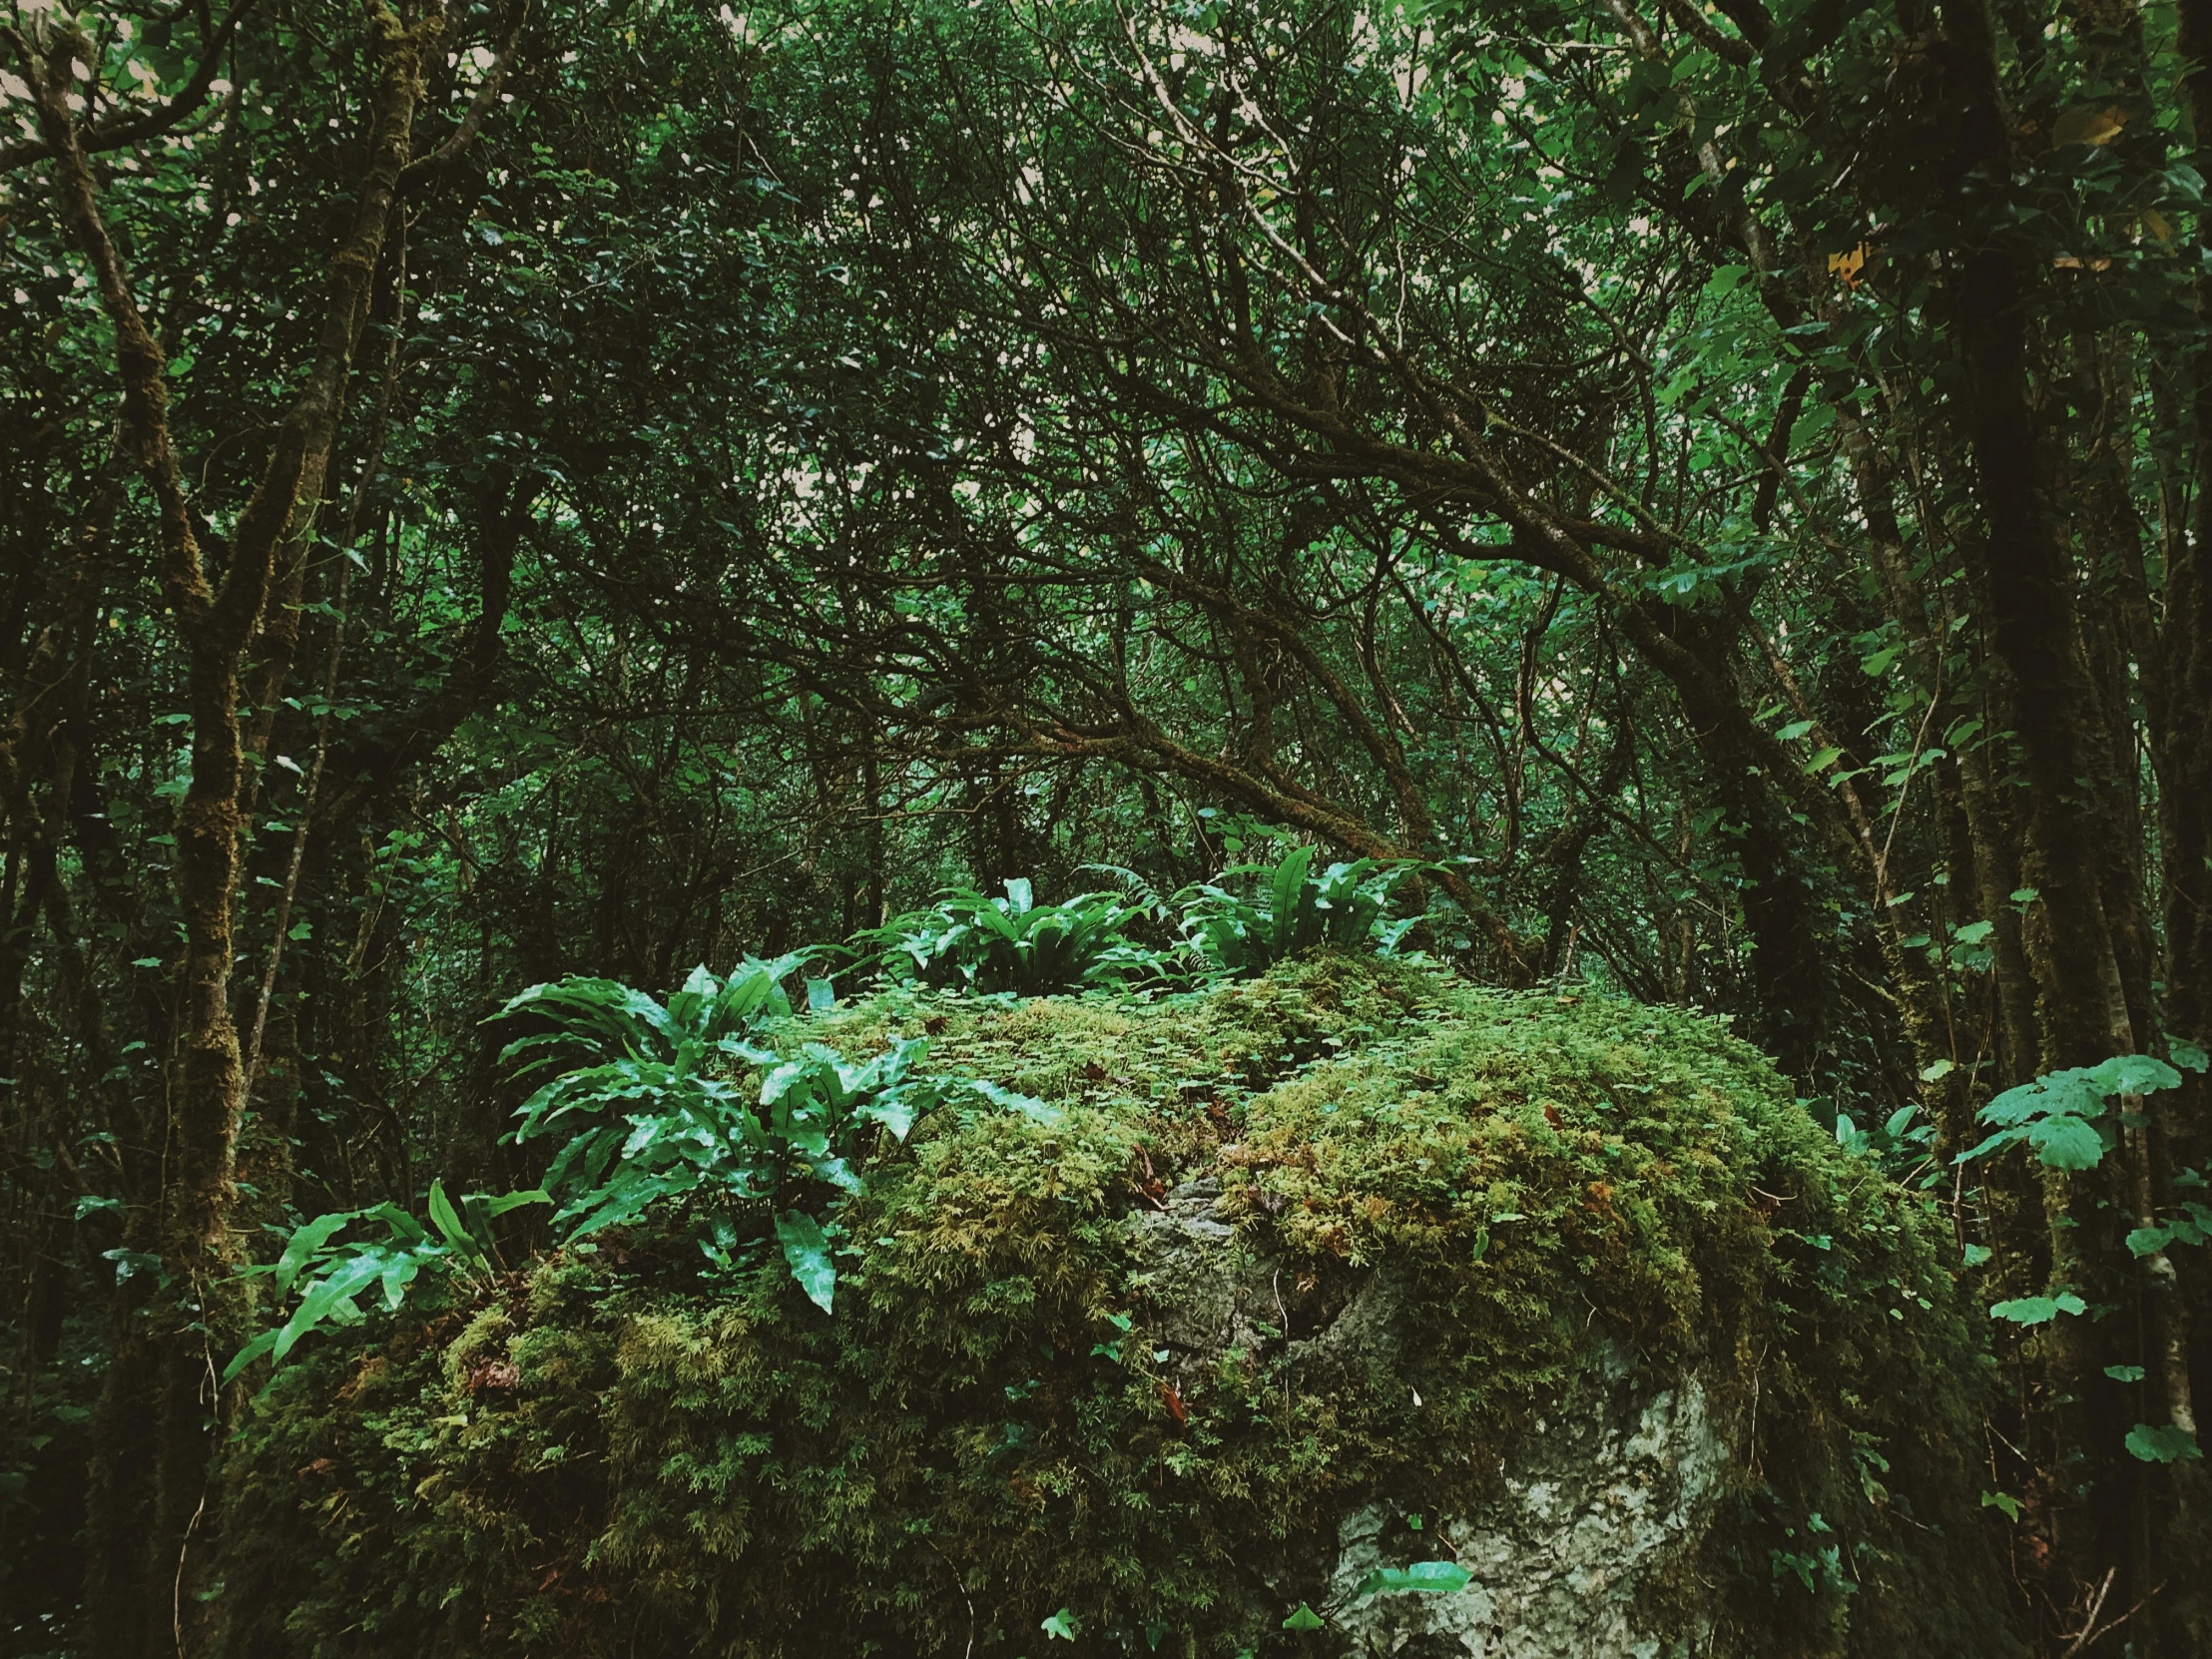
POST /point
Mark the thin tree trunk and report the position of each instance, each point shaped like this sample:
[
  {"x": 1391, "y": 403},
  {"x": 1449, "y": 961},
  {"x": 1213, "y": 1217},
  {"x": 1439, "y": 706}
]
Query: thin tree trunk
[{"x": 215, "y": 620}]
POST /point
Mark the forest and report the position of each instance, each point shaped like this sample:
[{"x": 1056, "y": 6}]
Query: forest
[{"x": 1054, "y": 590}]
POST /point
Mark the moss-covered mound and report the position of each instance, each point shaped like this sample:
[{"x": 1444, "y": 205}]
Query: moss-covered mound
[{"x": 1014, "y": 1417}]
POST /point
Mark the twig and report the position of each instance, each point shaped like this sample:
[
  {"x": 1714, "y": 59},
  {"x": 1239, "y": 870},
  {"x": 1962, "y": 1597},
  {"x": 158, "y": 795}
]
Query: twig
[
  {"x": 962, "y": 1583},
  {"x": 2096, "y": 1606}
]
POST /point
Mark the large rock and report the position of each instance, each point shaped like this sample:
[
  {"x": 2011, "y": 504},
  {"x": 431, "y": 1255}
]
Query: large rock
[
  {"x": 1347, "y": 1268},
  {"x": 1617, "y": 1486}
]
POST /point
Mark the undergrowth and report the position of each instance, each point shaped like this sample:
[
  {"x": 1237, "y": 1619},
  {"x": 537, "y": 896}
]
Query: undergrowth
[{"x": 994, "y": 1444}]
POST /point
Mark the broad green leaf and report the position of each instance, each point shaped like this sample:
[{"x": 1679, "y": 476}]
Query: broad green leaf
[
  {"x": 807, "y": 1249},
  {"x": 2148, "y": 1241},
  {"x": 2162, "y": 1443},
  {"x": 250, "y": 1353},
  {"x": 2135, "y": 1074},
  {"x": 399, "y": 1271},
  {"x": 1029, "y": 1107},
  {"x": 448, "y": 1222},
  {"x": 1062, "y": 1626},
  {"x": 1435, "y": 1577},
  {"x": 2073, "y": 1091},
  {"x": 504, "y": 1201},
  {"x": 307, "y": 1240},
  {"x": 894, "y": 1110},
  {"x": 326, "y": 1295},
  {"x": 2005, "y": 1501},
  {"x": 2038, "y": 1309},
  {"x": 1305, "y": 1618},
  {"x": 2066, "y": 1143}
]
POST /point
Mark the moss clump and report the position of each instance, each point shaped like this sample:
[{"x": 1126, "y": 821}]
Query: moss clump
[{"x": 613, "y": 1454}]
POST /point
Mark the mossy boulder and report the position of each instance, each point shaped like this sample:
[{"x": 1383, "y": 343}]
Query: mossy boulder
[{"x": 1343, "y": 1268}]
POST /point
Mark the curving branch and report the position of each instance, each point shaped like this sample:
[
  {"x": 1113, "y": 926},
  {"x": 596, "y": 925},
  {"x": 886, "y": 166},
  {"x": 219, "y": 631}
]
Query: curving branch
[
  {"x": 433, "y": 168},
  {"x": 131, "y": 129}
]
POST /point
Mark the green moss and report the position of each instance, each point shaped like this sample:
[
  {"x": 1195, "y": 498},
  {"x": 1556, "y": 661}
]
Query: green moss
[{"x": 611, "y": 1454}]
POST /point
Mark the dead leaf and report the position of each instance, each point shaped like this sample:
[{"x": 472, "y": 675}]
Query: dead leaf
[{"x": 2089, "y": 124}]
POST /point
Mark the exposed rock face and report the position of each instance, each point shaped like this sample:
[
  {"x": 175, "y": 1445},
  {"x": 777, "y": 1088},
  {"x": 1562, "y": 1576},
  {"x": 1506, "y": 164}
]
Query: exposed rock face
[{"x": 1614, "y": 1490}]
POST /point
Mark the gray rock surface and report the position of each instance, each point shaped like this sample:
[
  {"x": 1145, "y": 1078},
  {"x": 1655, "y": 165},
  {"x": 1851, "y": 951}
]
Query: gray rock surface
[{"x": 1617, "y": 1488}]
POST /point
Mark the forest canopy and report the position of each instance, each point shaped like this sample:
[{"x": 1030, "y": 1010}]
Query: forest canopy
[{"x": 1700, "y": 504}]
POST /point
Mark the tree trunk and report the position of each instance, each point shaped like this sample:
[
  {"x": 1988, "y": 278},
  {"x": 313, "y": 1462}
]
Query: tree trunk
[{"x": 215, "y": 620}]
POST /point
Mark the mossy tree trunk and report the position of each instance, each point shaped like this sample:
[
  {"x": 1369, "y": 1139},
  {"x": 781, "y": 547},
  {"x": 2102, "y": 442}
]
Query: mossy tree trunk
[{"x": 221, "y": 607}]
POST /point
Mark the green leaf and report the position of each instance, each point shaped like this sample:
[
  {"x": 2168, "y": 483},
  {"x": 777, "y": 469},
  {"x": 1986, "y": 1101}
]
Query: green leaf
[
  {"x": 1823, "y": 759},
  {"x": 2124, "y": 1374},
  {"x": 1977, "y": 1254},
  {"x": 1303, "y": 1619},
  {"x": 2148, "y": 1241},
  {"x": 515, "y": 1201},
  {"x": 2005, "y": 1501},
  {"x": 1062, "y": 1626},
  {"x": 326, "y": 1296},
  {"x": 1028, "y": 1106},
  {"x": 1794, "y": 730},
  {"x": 1434, "y": 1577},
  {"x": 807, "y": 1249},
  {"x": 399, "y": 1271},
  {"x": 2067, "y": 1143},
  {"x": 448, "y": 1222},
  {"x": 249, "y": 1353},
  {"x": 2162, "y": 1443},
  {"x": 2188, "y": 1056},
  {"x": 307, "y": 1240},
  {"x": 2134, "y": 1074},
  {"x": 2038, "y": 1309}
]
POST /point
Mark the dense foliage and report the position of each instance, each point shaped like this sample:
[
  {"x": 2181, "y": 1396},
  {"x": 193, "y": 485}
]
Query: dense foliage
[{"x": 1707, "y": 501}]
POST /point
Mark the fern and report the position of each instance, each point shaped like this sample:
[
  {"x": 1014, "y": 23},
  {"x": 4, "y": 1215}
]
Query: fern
[
  {"x": 970, "y": 941},
  {"x": 657, "y": 1105},
  {"x": 1293, "y": 909}
]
